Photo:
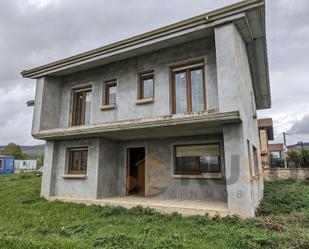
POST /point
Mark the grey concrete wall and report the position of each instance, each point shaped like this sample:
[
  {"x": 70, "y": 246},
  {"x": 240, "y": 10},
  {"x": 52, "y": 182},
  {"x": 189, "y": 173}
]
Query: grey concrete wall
[
  {"x": 160, "y": 182},
  {"x": 235, "y": 91},
  {"x": 46, "y": 108},
  {"x": 108, "y": 171},
  {"x": 59, "y": 93},
  {"x": 48, "y": 179},
  {"x": 83, "y": 188}
]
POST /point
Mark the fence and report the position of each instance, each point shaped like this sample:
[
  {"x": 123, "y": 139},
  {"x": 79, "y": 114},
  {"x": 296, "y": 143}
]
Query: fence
[{"x": 286, "y": 173}]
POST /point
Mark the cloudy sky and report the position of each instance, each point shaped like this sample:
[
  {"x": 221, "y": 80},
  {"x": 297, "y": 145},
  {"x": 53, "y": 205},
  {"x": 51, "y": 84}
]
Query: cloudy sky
[{"x": 35, "y": 32}]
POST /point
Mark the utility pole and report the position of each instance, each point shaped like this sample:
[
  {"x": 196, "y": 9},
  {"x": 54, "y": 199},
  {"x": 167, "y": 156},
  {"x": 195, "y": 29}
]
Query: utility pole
[{"x": 284, "y": 141}]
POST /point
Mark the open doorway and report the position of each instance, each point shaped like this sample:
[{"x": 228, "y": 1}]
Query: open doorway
[{"x": 136, "y": 171}]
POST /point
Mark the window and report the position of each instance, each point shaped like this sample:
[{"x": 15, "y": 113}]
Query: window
[
  {"x": 188, "y": 84},
  {"x": 249, "y": 157},
  {"x": 77, "y": 161},
  {"x": 1, "y": 164},
  {"x": 146, "y": 85},
  {"x": 81, "y": 106},
  {"x": 256, "y": 161},
  {"x": 197, "y": 159},
  {"x": 110, "y": 92}
]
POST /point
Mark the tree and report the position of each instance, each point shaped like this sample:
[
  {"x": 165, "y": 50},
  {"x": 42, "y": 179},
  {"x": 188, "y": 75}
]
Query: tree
[
  {"x": 13, "y": 150},
  {"x": 41, "y": 159},
  {"x": 298, "y": 159}
]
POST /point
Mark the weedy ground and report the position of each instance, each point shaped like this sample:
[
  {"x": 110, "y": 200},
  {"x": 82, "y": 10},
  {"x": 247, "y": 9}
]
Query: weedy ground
[{"x": 28, "y": 221}]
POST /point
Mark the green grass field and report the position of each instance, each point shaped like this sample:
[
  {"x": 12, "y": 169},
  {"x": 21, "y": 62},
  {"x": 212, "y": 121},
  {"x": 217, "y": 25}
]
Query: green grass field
[{"x": 28, "y": 221}]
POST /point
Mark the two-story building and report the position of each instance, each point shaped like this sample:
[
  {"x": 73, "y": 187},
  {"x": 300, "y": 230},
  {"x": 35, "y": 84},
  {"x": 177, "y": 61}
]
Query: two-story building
[{"x": 166, "y": 115}]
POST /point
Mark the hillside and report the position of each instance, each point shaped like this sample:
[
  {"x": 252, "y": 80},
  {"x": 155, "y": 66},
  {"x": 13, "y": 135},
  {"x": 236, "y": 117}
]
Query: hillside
[{"x": 32, "y": 152}]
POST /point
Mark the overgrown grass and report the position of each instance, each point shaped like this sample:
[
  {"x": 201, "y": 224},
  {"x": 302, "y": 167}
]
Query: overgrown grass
[
  {"x": 28, "y": 221},
  {"x": 285, "y": 197}
]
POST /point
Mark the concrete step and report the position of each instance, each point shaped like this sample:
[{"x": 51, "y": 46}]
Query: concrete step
[{"x": 184, "y": 207}]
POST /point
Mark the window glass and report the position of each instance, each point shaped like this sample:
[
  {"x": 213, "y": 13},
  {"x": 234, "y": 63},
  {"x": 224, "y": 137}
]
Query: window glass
[
  {"x": 81, "y": 106},
  {"x": 186, "y": 165},
  {"x": 197, "y": 96},
  {"x": 84, "y": 155},
  {"x": 1, "y": 164},
  {"x": 74, "y": 160},
  {"x": 88, "y": 107},
  {"x": 188, "y": 87},
  {"x": 77, "y": 160},
  {"x": 111, "y": 93},
  {"x": 256, "y": 162},
  {"x": 181, "y": 92},
  {"x": 197, "y": 159},
  {"x": 209, "y": 164},
  {"x": 148, "y": 88}
]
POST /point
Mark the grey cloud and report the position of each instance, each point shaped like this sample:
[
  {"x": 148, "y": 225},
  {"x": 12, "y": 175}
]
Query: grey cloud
[
  {"x": 301, "y": 126},
  {"x": 32, "y": 35}
]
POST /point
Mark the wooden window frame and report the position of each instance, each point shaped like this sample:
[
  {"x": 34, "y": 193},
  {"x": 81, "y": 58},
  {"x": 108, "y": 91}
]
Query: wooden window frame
[
  {"x": 187, "y": 68},
  {"x": 249, "y": 157},
  {"x": 107, "y": 85},
  {"x": 197, "y": 161},
  {"x": 255, "y": 161},
  {"x": 75, "y": 91},
  {"x": 142, "y": 77},
  {"x": 69, "y": 152}
]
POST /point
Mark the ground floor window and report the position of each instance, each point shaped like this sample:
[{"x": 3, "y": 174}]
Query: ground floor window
[
  {"x": 77, "y": 163},
  {"x": 197, "y": 159}
]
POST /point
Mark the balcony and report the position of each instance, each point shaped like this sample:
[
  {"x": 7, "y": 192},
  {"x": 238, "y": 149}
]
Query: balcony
[{"x": 145, "y": 128}]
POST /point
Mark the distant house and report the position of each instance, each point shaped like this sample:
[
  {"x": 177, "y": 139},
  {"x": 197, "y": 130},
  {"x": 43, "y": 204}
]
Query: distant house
[
  {"x": 6, "y": 165},
  {"x": 266, "y": 133},
  {"x": 25, "y": 164},
  {"x": 277, "y": 150}
]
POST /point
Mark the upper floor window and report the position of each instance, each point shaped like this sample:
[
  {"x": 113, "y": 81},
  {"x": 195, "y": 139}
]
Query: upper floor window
[
  {"x": 188, "y": 88},
  {"x": 110, "y": 92},
  {"x": 197, "y": 159},
  {"x": 146, "y": 85},
  {"x": 77, "y": 161},
  {"x": 256, "y": 161},
  {"x": 81, "y": 106}
]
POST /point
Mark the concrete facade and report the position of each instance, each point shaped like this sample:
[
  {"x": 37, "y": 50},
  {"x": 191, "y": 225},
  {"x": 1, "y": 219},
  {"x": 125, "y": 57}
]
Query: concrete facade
[{"x": 230, "y": 88}]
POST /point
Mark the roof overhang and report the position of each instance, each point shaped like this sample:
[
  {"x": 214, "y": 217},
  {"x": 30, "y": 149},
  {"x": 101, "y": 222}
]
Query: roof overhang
[
  {"x": 248, "y": 16},
  {"x": 267, "y": 124},
  {"x": 146, "y": 128}
]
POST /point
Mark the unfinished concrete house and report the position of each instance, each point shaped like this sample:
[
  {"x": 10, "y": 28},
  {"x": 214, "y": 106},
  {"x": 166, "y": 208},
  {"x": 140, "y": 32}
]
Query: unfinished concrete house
[{"x": 166, "y": 119}]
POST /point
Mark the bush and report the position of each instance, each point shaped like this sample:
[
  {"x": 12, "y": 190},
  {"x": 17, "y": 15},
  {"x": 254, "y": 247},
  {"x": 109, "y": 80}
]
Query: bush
[
  {"x": 277, "y": 163},
  {"x": 298, "y": 159}
]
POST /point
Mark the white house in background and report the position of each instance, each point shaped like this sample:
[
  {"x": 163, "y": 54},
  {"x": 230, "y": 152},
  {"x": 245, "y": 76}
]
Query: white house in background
[{"x": 25, "y": 164}]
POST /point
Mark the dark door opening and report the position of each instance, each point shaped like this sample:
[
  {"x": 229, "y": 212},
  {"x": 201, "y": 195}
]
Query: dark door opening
[{"x": 136, "y": 171}]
